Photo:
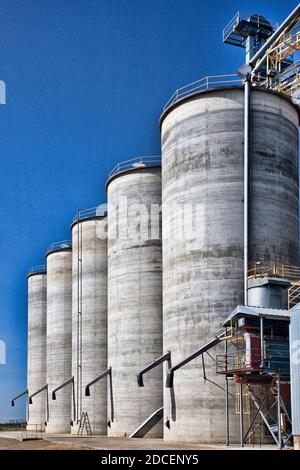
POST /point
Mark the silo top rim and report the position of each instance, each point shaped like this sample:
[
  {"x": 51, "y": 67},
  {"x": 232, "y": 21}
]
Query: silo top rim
[
  {"x": 192, "y": 96},
  {"x": 37, "y": 270},
  {"x": 95, "y": 213},
  {"x": 134, "y": 165},
  {"x": 65, "y": 245}
]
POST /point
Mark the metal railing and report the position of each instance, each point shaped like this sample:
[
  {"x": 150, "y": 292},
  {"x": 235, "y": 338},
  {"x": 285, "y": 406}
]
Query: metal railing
[
  {"x": 59, "y": 245},
  {"x": 231, "y": 25},
  {"x": 36, "y": 432},
  {"x": 206, "y": 83},
  {"x": 239, "y": 361},
  {"x": 294, "y": 295},
  {"x": 261, "y": 21},
  {"x": 98, "y": 211},
  {"x": 243, "y": 361},
  {"x": 138, "y": 162},
  {"x": 274, "y": 269},
  {"x": 38, "y": 269}
]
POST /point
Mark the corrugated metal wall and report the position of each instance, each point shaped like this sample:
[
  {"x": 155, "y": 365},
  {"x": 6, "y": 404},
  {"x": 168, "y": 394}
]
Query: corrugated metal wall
[{"x": 295, "y": 367}]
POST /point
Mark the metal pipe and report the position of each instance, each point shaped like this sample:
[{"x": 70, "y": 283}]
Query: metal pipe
[
  {"x": 261, "y": 342},
  {"x": 279, "y": 412},
  {"x": 227, "y": 412},
  {"x": 67, "y": 382},
  {"x": 45, "y": 387},
  {"x": 160, "y": 360},
  {"x": 247, "y": 102},
  {"x": 241, "y": 416},
  {"x": 19, "y": 396},
  {"x": 226, "y": 396},
  {"x": 211, "y": 344},
  {"x": 262, "y": 52},
  {"x": 95, "y": 380}
]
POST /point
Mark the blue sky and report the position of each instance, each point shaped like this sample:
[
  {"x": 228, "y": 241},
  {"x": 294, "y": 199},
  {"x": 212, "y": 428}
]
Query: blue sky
[{"x": 86, "y": 82}]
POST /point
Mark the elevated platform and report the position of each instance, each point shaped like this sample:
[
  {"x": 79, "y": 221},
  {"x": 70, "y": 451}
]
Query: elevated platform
[{"x": 242, "y": 26}]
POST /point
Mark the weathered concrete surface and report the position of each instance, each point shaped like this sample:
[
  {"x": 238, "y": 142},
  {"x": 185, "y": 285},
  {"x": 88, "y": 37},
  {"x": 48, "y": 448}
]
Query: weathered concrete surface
[
  {"x": 202, "y": 146},
  {"x": 90, "y": 298},
  {"x": 36, "y": 362},
  {"x": 134, "y": 304},
  {"x": 59, "y": 338}
]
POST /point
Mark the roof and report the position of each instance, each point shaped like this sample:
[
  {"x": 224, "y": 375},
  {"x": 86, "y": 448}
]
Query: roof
[{"x": 270, "y": 313}]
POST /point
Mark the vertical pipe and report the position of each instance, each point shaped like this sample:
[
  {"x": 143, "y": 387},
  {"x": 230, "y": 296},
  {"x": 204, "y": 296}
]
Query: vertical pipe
[
  {"x": 279, "y": 412},
  {"x": 247, "y": 92},
  {"x": 80, "y": 324},
  {"x": 77, "y": 352},
  {"x": 241, "y": 415},
  {"x": 227, "y": 411},
  {"x": 226, "y": 397},
  {"x": 261, "y": 341}
]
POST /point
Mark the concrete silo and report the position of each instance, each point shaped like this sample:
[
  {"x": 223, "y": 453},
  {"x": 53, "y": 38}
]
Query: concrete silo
[
  {"x": 202, "y": 165},
  {"x": 36, "y": 362},
  {"x": 134, "y": 293},
  {"x": 59, "y": 335},
  {"x": 89, "y": 315}
]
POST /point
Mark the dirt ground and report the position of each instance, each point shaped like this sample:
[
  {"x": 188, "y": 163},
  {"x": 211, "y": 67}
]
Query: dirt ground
[
  {"x": 10, "y": 440},
  {"x": 13, "y": 444}
]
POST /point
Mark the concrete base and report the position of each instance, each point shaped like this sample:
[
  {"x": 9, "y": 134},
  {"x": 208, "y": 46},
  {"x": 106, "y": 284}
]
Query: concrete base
[
  {"x": 57, "y": 430},
  {"x": 34, "y": 428},
  {"x": 296, "y": 442}
]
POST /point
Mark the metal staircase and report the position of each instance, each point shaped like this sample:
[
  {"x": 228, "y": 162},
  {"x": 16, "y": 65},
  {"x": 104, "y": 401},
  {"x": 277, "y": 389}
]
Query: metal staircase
[{"x": 148, "y": 424}]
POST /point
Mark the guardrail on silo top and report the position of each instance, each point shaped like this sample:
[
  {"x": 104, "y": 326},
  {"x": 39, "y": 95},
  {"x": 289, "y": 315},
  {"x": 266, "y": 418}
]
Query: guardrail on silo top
[
  {"x": 137, "y": 162},
  {"x": 206, "y": 83},
  {"x": 98, "y": 211},
  {"x": 65, "y": 244},
  {"x": 38, "y": 270}
]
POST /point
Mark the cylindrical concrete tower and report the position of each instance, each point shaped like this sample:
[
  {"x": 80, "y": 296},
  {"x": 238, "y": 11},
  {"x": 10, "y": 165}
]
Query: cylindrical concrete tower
[
  {"x": 202, "y": 166},
  {"x": 36, "y": 368},
  {"x": 59, "y": 335},
  {"x": 134, "y": 295},
  {"x": 89, "y": 315}
]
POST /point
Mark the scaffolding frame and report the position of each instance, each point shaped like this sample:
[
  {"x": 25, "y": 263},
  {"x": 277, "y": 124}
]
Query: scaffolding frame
[
  {"x": 260, "y": 416},
  {"x": 282, "y": 74}
]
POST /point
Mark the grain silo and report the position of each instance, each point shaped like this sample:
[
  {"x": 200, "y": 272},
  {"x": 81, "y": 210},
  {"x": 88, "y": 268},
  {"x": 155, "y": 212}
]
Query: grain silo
[
  {"x": 202, "y": 165},
  {"x": 59, "y": 335},
  {"x": 36, "y": 362},
  {"x": 89, "y": 316},
  {"x": 134, "y": 291}
]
